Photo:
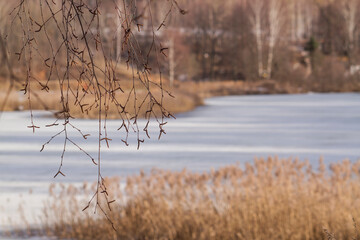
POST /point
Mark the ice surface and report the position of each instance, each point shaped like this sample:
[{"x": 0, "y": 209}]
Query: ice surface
[{"x": 224, "y": 131}]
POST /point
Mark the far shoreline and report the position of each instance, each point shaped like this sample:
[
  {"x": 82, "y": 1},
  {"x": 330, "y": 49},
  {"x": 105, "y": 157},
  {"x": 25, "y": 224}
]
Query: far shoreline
[{"x": 187, "y": 96}]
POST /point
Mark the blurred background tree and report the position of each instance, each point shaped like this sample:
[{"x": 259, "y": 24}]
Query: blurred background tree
[{"x": 246, "y": 40}]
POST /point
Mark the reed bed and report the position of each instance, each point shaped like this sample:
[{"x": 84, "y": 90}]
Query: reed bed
[{"x": 269, "y": 199}]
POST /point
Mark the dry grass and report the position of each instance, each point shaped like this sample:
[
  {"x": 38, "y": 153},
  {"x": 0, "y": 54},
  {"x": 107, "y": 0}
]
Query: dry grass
[
  {"x": 186, "y": 95},
  {"x": 179, "y": 101},
  {"x": 269, "y": 199},
  {"x": 224, "y": 88}
]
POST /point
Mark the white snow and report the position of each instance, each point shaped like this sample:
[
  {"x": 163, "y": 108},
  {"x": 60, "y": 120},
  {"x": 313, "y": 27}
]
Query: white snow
[{"x": 225, "y": 131}]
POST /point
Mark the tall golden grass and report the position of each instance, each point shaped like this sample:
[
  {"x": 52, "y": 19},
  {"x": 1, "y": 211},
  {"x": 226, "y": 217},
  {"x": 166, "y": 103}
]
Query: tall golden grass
[{"x": 269, "y": 199}]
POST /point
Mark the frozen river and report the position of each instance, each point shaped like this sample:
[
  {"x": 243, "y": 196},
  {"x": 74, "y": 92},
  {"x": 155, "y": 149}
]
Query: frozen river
[{"x": 224, "y": 131}]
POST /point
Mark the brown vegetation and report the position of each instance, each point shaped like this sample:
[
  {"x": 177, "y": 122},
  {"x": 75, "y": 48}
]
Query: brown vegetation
[
  {"x": 269, "y": 199},
  {"x": 185, "y": 95},
  {"x": 241, "y": 47},
  {"x": 292, "y": 42},
  {"x": 180, "y": 100}
]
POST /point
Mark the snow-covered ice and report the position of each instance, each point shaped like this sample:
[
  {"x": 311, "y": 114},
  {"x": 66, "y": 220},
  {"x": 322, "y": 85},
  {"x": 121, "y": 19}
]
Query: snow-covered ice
[{"x": 224, "y": 131}]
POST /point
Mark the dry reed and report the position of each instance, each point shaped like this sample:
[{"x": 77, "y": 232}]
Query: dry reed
[
  {"x": 180, "y": 101},
  {"x": 269, "y": 199}
]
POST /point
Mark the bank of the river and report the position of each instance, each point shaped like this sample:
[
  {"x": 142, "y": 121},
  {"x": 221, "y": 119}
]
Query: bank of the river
[{"x": 185, "y": 96}]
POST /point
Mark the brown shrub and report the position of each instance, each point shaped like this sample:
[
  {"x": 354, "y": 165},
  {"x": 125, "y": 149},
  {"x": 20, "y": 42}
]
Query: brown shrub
[{"x": 269, "y": 199}]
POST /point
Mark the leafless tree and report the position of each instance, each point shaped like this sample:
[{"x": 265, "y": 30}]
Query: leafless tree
[
  {"x": 300, "y": 18},
  {"x": 275, "y": 23},
  {"x": 171, "y": 62},
  {"x": 349, "y": 10},
  {"x": 81, "y": 63},
  {"x": 256, "y": 18}
]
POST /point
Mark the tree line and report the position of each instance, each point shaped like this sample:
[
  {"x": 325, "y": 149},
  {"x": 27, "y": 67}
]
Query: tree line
[{"x": 302, "y": 42}]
